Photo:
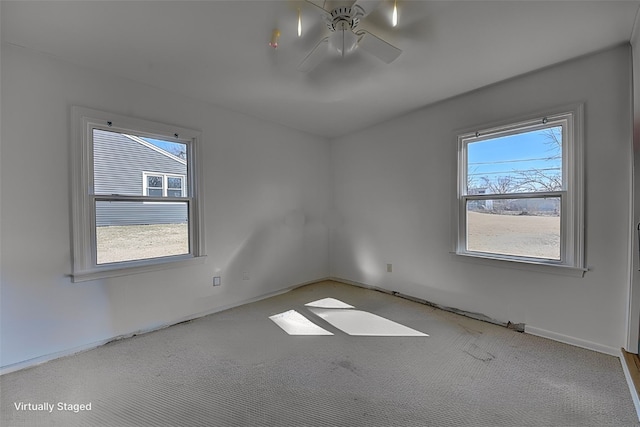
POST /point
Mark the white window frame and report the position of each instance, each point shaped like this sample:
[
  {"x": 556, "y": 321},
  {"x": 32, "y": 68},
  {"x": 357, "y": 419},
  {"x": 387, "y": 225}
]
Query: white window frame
[
  {"x": 145, "y": 182},
  {"x": 166, "y": 188},
  {"x": 165, "y": 182},
  {"x": 571, "y": 194},
  {"x": 83, "y": 198}
]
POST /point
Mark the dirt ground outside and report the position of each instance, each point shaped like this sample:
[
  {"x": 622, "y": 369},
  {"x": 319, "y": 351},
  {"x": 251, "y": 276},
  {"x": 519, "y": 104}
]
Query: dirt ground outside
[
  {"x": 524, "y": 235},
  {"x": 132, "y": 242}
]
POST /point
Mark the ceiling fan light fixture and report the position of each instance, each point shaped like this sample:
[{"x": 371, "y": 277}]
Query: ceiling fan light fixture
[
  {"x": 394, "y": 15},
  {"x": 345, "y": 36},
  {"x": 343, "y": 41}
]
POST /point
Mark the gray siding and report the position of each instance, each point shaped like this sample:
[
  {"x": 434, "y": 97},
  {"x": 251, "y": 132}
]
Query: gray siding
[
  {"x": 132, "y": 213},
  {"x": 119, "y": 163}
]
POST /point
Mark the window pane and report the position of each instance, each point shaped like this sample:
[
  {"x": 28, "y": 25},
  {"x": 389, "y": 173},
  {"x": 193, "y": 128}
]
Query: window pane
[
  {"x": 156, "y": 192},
  {"x": 128, "y": 231},
  {"x": 154, "y": 181},
  {"x": 174, "y": 182},
  {"x": 174, "y": 193},
  {"x": 519, "y": 227},
  {"x": 525, "y": 162},
  {"x": 119, "y": 161},
  {"x": 176, "y": 149}
]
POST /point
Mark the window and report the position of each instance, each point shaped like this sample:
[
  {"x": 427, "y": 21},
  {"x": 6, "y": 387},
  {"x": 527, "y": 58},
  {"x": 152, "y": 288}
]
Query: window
[
  {"x": 174, "y": 186},
  {"x": 163, "y": 185},
  {"x": 135, "y": 199},
  {"x": 155, "y": 185},
  {"x": 520, "y": 191}
]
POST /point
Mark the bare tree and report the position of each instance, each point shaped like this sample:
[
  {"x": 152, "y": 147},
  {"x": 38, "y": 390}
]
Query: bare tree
[
  {"x": 544, "y": 179},
  {"x": 178, "y": 152},
  {"x": 472, "y": 181},
  {"x": 553, "y": 139},
  {"x": 501, "y": 185},
  {"x": 539, "y": 180}
]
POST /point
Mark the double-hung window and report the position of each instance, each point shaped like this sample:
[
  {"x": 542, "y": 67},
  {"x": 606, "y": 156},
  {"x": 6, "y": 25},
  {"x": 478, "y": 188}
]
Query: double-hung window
[
  {"x": 520, "y": 191},
  {"x": 160, "y": 184},
  {"x": 136, "y": 195}
]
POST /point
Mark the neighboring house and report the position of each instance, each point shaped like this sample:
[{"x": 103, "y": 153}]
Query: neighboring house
[
  {"x": 541, "y": 206},
  {"x": 479, "y": 205},
  {"x": 129, "y": 165}
]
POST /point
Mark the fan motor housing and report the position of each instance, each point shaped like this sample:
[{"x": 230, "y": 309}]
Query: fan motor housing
[{"x": 342, "y": 18}]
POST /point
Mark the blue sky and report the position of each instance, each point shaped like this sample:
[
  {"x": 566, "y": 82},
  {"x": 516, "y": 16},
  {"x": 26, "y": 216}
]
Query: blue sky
[
  {"x": 171, "y": 147},
  {"x": 502, "y": 156}
]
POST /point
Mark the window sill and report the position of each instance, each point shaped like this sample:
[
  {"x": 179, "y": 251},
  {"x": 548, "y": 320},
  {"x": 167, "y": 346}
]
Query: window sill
[
  {"x": 519, "y": 264},
  {"x": 119, "y": 270}
]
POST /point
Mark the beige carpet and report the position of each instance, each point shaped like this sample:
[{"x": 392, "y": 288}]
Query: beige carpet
[{"x": 238, "y": 368}]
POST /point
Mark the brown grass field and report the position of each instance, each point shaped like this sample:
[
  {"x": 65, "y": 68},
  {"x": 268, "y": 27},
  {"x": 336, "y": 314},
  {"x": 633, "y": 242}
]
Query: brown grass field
[
  {"x": 131, "y": 242},
  {"x": 533, "y": 236}
]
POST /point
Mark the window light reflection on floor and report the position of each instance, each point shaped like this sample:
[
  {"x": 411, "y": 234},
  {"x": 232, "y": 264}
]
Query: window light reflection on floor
[
  {"x": 295, "y": 323},
  {"x": 363, "y": 323},
  {"x": 329, "y": 303},
  {"x": 343, "y": 317}
]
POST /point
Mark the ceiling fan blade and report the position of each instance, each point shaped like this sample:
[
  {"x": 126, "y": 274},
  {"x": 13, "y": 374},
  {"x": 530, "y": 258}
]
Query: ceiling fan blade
[
  {"x": 377, "y": 47},
  {"x": 365, "y": 7},
  {"x": 315, "y": 57},
  {"x": 318, "y": 7}
]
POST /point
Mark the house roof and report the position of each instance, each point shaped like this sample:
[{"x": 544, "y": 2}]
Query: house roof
[{"x": 155, "y": 148}]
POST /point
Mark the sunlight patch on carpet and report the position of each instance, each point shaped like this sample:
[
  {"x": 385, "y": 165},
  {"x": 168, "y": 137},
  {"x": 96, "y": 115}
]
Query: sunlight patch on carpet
[
  {"x": 363, "y": 323},
  {"x": 329, "y": 303},
  {"x": 295, "y": 323}
]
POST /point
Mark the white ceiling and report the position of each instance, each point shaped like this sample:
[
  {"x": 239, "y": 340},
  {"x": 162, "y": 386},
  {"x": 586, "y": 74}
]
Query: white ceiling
[{"x": 217, "y": 51}]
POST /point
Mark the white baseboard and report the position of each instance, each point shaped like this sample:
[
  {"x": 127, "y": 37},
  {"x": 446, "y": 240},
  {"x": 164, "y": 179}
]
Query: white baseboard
[
  {"x": 632, "y": 387},
  {"x": 18, "y": 366},
  {"x": 589, "y": 345},
  {"x": 359, "y": 284}
]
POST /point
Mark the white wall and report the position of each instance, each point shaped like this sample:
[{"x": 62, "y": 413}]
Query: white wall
[
  {"x": 259, "y": 178},
  {"x": 395, "y": 186},
  {"x": 634, "y": 295}
]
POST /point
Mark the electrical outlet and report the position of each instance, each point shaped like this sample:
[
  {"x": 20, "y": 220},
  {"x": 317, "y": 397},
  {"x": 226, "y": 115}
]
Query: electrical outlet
[
  {"x": 389, "y": 268},
  {"x": 245, "y": 275},
  {"x": 217, "y": 281}
]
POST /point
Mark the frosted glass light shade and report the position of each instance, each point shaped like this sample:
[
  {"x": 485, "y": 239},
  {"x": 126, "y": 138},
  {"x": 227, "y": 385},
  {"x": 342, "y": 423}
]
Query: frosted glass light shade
[{"x": 343, "y": 41}]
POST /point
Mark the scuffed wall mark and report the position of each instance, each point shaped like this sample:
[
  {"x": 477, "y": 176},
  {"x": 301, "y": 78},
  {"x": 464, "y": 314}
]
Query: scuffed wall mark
[{"x": 518, "y": 327}]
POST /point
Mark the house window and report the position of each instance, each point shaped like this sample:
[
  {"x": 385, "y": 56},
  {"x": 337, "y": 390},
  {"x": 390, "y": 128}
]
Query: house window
[
  {"x": 174, "y": 186},
  {"x": 154, "y": 185},
  {"x": 520, "y": 191},
  {"x": 124, "y": 224},
  {"x": 163, "y": 185}
]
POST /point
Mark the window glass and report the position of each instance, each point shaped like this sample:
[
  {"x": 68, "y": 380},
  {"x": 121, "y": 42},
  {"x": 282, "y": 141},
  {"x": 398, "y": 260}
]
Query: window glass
[
  {"x": 174, "y": 182},
  {"x": 521, "y": 227},
  {"x": 119, "y": 158},
  {"x": 174, "y": 186},
  {"x": 529, "y": 161},
  {"x": 154, "y": 186},
  {"x": 154, "y": 181},
  {"x": 128, "y": 231}
]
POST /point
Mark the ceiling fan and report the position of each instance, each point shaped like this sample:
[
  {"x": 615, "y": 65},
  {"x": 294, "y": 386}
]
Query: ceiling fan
[{"x": 345, "y": 37}]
